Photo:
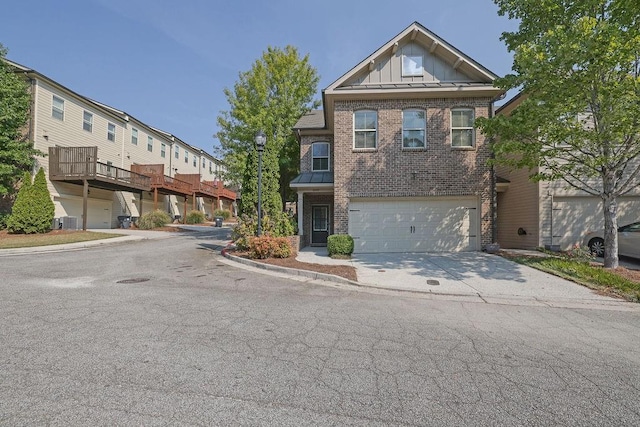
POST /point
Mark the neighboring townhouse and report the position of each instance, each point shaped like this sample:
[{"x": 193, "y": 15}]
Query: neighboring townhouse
[
  {"x": 93, "y": 152},
  {"x": 550, "y": 214},
  {"x": 393, "y": 158}
]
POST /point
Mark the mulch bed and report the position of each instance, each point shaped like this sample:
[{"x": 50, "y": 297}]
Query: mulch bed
[{"x": 346, "y": 271}]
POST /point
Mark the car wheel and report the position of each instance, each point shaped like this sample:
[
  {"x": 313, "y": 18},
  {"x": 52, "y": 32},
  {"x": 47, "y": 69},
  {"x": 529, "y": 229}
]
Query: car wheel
[{"x": 596, "y": 246}]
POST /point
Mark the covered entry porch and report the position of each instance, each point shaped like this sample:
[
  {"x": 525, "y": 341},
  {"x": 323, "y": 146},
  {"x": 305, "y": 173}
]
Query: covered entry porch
[{"x": 314, "y": 207}]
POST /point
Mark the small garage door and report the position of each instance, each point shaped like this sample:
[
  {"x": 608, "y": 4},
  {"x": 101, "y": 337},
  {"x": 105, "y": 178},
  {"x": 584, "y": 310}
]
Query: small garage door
[
  {"x": 98, "y": 211},
  {"x": 428, "y": 225},
  {"x": 574, "y": 217}
]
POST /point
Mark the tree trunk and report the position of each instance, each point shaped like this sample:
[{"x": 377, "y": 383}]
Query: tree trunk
[{"x": 610, "y": 231}]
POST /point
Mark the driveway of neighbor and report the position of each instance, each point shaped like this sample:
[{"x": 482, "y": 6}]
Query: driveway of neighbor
[{"x": 489, "y": 277}]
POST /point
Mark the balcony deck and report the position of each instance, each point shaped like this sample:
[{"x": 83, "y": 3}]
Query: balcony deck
[{"x": 79, "y": 164}]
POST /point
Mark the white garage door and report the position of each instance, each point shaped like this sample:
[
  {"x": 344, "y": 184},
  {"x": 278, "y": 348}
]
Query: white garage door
[
  {"x": 98, "y": 211},
  {"x": 574, "y": 217},
  {"x": 427, "y": 225}
]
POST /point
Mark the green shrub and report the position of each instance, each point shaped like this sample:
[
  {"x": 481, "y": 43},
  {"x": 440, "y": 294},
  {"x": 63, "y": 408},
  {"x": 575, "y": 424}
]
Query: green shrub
[
  {"x": 224, "y": 213},
  {"x": 33, "y": 209},
  {"x": 279, "y": 225},
  {"x": 194, "y": 217},
  {"x": 154, "y": 219},
  {"x": 580, "y": 254},
  {"x": 269, "y": 247},
  {"x": 340, "y": 244},
  {"x": 4, "y": 216}
]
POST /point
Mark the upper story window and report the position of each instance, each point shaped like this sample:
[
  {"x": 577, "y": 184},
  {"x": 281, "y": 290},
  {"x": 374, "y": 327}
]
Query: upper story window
[
  {"x": 462, "y": 132},
  {"x": 365, "y": 129},
  {"x": 163, "y": 149},
  {"x": 204, "y": 163},
  {"x": 210, "y": 166},
  {"x": 320, "y": 156},
  {"x": 149, "y": 143},
  {"x": 57, "y": 108},
  {"x": 195, "y": 161},
  {"x": 87, "y": 121},
  {"x": 412, "y": 65},
  {"x": 177, "y": 152},
  {"x": 111, "y": 132},
  {"x": 414, "y": 126},
  {"x": 186, "y": 156},
  {"x": 134, "y": 136}
]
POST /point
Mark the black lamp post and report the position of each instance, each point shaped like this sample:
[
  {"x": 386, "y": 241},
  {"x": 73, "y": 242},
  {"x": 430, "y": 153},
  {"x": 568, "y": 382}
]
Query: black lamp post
[{"x": 261, "y": 140}]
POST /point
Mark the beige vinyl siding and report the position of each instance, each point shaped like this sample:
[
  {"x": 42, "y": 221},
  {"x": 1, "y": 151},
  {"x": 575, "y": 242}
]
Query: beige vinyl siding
[
  {"x": 518, "y": 208},
  {"x": 138, "y": 154}
]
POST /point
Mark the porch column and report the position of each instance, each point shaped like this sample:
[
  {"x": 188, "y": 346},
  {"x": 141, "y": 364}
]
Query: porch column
[
  {"x": 193, "y": 203},
  {"x": 140, "y": 211},
  {"x": 85, "y": 200},
  {"x": 300, "y": 212},
  {"x": 184, "y": 216},
  {"x": 155, "y": 199}
]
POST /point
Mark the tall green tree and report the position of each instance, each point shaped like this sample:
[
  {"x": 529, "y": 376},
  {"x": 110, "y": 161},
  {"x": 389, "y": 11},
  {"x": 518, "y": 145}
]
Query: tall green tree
[
  {"x": 33, "y": 210},
  {"x": 16, "y": 151},
  {"x": 271, "y": 96},
  {"x": 577, "y": 65}
]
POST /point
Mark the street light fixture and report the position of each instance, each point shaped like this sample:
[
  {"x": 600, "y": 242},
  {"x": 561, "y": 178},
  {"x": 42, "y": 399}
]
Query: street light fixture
[{"x": 261, "y": 140}]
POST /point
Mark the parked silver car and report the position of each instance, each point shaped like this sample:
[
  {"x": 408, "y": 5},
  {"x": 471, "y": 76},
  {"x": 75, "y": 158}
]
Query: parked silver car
[{"x": 628, "y": 241}]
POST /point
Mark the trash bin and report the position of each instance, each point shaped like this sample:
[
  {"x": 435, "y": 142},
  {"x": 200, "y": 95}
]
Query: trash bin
[
  {"x": 126, "y": 223},
  {"x": 219, "y": 221}
]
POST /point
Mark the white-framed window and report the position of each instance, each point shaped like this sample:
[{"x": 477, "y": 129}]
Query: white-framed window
[
  {"x": 412, "y": 65},
  {"x": 195, "y": 161},
  {"x": 210, "y": 166},
  {"x": 87, "y": 121},
  {"x": 57, "y": 108},
  {"x": 462, "y": 131},
  {"x": 163, "y": 150},
  {"x": 204, "y": 163},
  {"x": 186, "y": 156},
  {"x": 134, "y": 136},
  {"x": 320, "y": 156},
  {"x": 365, "y": 129},
  {"x": 414, "y": 128},
  {"x": 150, "y": 143},
  {"x": 111, "y": 132},
  {"x": 177, "y": 152}
]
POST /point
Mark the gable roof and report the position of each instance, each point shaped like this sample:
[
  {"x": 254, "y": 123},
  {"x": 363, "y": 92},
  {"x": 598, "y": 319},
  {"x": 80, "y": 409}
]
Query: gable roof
[
  {"x": 379, "y": 75},
  {"x": 433, "y": 44}
]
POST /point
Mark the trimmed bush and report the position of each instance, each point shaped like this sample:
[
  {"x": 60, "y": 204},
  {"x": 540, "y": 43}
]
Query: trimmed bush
[
  {"x": 280, "y": 225},
  {"x": 269, "y": 247},
  {"x": 154, "y": 219},
  {"x": 194, "y": 217},
  {"x": 224, "y": 213},
  {"x": 340, "y": 244},
  {"x": 33, "y": 209},
  {"x": 4, "y": 216}
]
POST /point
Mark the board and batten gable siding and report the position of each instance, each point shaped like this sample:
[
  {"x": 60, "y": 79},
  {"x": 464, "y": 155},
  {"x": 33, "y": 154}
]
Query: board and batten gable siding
[
  {"x": 391, "y": 171},
  {"x": 518, "y": 207},
  {"x": 306, "y": 157},
  {"x": 388, "y": 69}
]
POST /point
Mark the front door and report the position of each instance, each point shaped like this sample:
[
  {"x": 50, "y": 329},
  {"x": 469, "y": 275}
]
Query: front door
[{"x": 319, "y": 225}]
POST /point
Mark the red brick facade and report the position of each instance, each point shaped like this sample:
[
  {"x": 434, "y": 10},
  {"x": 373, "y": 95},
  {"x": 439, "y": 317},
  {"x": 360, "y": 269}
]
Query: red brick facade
[{"x": 391, "y": 171}]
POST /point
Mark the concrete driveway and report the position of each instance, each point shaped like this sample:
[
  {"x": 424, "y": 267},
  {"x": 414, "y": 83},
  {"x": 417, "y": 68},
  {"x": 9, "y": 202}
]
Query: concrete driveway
[{"x": 471, "y": 274}]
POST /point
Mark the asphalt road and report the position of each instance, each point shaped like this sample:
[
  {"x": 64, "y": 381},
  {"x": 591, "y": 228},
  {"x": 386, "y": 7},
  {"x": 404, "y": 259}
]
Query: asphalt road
[{"x": 164, "y": 333}]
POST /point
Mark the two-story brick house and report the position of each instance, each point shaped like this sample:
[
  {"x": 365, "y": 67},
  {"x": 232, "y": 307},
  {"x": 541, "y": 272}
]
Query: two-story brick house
[{"x": 393, "y": 158}]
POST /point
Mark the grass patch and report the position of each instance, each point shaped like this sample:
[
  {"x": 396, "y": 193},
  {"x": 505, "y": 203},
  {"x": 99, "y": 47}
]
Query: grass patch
[
  {"x": 592, "y": 276},
  {"x": 54, "y": 237}
]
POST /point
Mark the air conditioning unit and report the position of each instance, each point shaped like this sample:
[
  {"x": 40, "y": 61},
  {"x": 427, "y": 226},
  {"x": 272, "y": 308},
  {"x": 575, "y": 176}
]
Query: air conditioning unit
[
  {"x": 69, "y": 222},
  {"x": 56, "y": 224}
]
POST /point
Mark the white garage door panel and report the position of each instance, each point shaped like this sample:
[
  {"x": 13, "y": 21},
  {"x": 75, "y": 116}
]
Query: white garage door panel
[
  {"x": 413, "y": 226},
  {"x": 98, "y": 211},
  {"x": 574, "y": 217}
]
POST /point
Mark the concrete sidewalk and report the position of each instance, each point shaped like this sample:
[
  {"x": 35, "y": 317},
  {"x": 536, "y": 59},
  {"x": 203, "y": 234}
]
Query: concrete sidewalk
[{"x": 478, "y": 275}]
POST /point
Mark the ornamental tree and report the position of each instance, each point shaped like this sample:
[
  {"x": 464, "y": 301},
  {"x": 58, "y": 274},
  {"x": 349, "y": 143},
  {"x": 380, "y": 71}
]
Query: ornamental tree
[
  {"x": 271, "y": 96},
  {"x": 577, "y": 63},
  {"x": 16, "y": 151}
]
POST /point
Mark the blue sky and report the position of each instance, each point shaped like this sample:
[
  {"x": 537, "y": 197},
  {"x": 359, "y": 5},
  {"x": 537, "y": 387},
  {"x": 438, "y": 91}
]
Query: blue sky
[{"x": 167, "y": 62}]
